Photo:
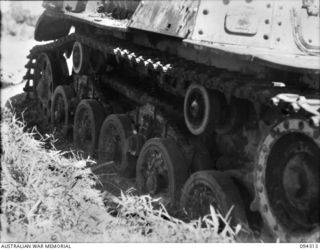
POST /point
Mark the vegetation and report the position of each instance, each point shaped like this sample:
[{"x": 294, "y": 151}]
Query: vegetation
[{"x": 47, "y": 197}]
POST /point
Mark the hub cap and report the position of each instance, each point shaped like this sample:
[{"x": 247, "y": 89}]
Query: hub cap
[
  {"x": 84, "y": 131},
  {"x": 59, "y": 113},
  {"x": 299, "y": 182},
  {"x": 44, "y": 83},
  {"x": 196, "y": 107},
  {"x": 199, "y": 201},
  {"x": 113, "y": 150},
  {"x": 155, "y": 172}
]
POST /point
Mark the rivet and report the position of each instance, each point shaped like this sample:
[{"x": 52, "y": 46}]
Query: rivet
[
  {"x": 265, "y": 37},
  {"x": 278, "y": 39},
  {"x": 267, "y": 21},
  {"x": 279, "y": 23},
  {"x": 200, "y": 32},
  {"x": 205, "y": 12},
  {"x": 226, "y": 1},
  {"x": 268, "y": 5},
  {"x": 310, "y": 40}
]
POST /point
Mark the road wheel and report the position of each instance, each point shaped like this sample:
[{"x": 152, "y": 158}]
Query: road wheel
[
  {"x": 87, "y": 123},
  {"x": 161, "y": 169},
  {"x": 210, "y": 187},
  {"x": 113, "y": 144},
  {"x": 61, "y": 113},
  {"x": 46, "y": 78},
  {"x": 286, "y": 180}
]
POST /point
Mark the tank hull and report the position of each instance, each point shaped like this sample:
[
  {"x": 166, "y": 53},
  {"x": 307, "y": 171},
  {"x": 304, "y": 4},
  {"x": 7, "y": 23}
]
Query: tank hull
[
  {"x": 225, "y": 85},
  {"x": 281, "y": 34}
]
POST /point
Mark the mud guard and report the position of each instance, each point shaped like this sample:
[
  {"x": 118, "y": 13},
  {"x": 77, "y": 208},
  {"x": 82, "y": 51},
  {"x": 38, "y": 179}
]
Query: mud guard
[{"x": 49, "y": 27}]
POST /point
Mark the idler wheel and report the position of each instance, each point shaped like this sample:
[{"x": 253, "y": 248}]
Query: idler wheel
[
  {"x": 161, "y": 170},
  {"x": 210, "y": 187},
  {"x": 61, "y": 113},
  {"x": 113, "y": 144},
  {"x": 87, "y": 123},
  {"x": 80, "y": 58},
  {"x": 201, "y": 109},
  {"x": 287, "y": 178}
]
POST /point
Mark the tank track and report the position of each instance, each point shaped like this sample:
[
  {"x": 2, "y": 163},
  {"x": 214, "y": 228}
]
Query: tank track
[{"x": 173, "y": 72}]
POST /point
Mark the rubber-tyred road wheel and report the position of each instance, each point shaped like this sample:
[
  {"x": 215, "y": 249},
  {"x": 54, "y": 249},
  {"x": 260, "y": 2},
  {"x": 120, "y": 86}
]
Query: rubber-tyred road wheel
[
  {"x": 61, "y": 116},
  {"x": 50, "y": 71},
  {"x": 113, "y": 144},
  {"x": 161, "y": 169},
  {"x": 87, "y": 123},
  {"x": 44, "y": 82},
  {"x": 215, "y": 188}
]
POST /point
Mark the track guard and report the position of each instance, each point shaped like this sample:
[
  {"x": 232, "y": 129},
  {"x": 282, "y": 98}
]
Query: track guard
[{"x": 49, "y": 27}]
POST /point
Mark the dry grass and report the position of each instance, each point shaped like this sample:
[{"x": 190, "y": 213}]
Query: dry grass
[{"x": 47, "y": 198}]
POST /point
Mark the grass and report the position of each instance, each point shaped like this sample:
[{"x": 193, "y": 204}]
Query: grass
[{"x": 46, "y": 197}]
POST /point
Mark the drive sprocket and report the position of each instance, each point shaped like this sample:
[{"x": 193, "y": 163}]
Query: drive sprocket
[{"x": 286, "y": 179}]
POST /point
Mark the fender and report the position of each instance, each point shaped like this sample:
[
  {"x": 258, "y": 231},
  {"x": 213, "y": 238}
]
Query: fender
[{"x": 49, "y": 27}]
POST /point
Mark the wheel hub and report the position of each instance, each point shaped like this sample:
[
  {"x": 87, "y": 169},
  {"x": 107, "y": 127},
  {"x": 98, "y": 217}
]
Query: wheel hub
[
  {"x": 156, "y": 179},
  {"x": 200, "y": 200},
  {"x": 299, "y": 182},
  {"x": 196, "y": 108},
  {"x": 76, "y": 57},
  {"x": 59, "y": 111},
  {"x": 44, "y": 83},
  {"x": 113, "y": 149},
  {"x": 84, "y": 130}
]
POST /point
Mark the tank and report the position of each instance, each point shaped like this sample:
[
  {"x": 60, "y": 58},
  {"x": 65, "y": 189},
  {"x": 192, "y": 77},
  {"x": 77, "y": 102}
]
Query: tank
[{"x": 203, "y": 102}]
